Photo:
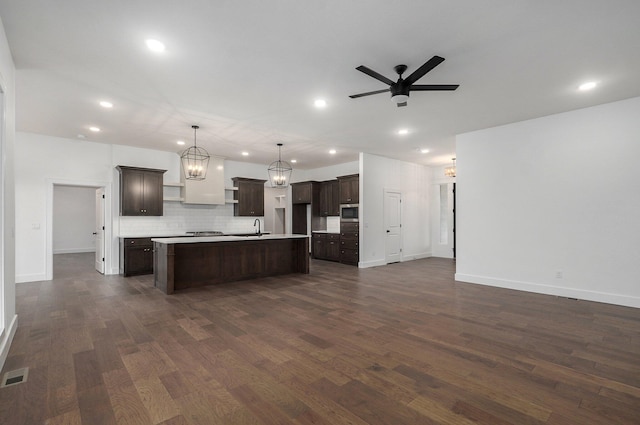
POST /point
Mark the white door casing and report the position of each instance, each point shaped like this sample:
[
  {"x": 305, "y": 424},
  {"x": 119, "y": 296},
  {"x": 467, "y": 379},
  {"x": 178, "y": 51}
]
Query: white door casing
[
  {"x": 393, "y": 225},
  {"x": 99, "y": 232}
]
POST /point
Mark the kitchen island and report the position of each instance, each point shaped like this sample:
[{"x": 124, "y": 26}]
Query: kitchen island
[{"x": 189, "y": 262}]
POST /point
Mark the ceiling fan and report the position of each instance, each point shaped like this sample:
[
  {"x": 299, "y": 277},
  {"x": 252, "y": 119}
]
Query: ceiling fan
[{"x": 401, "y": 88}]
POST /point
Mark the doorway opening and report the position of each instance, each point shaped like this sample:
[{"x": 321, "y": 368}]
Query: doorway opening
[{"x": 77, "y": 223}]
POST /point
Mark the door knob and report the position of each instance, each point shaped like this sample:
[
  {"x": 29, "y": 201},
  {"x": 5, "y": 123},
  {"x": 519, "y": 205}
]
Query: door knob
[
  {"x": 95, "y": 233},
  {"x": 388, "y": 231}
]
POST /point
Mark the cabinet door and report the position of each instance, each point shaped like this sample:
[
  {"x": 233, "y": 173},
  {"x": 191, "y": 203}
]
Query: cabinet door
[
  {"x": 349, "y": 189},
  {"x": 257, "y": 199},
  {"x": 131, "y": 189},
  {"x": 152, "y": 194},
  {"x": 319, "y": 246},
  {"x": 325, "y": 198},
  {"x": 138, "y": 260},
  {"x": 333, "y": 249},
  {"x": 250, "y": 197},
  {"x": 301, "y": 193},
  {"x": 140, "y": 191},
  {"x": 334, "y": 200}
]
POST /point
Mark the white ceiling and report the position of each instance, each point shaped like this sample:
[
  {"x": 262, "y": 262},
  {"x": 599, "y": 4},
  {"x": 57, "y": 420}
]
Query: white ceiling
[{"x": 248, "y": 71}]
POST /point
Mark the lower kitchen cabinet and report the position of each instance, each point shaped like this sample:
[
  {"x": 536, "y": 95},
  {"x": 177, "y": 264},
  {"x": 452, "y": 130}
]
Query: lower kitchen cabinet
[
  {"x": 136, "y": 256},
  {"x": 326, "y": 246},
  {"x": 349, "y": 240}
]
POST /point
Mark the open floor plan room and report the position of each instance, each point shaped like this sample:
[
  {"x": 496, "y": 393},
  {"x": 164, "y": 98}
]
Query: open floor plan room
[{"x": 398, "y": 344}]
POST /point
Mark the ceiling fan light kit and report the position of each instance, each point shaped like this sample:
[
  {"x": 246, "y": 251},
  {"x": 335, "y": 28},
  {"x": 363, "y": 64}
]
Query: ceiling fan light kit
[{"x": 400, "y": 89}]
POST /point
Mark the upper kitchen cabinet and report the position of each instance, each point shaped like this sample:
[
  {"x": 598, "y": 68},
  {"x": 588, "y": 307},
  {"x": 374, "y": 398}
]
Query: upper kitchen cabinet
[
  {"x": 349, "y": 189},
  {"x": 209, "y": 191},
  {"x": 250, "y": 197},
  {"x": 301, "y": 192},
  {"x": 140, "y": 191},
  {"x": 329, "y": 199}
]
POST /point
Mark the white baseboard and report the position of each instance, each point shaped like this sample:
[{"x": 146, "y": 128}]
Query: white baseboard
[
  {"x": 560, "y": 291},
  {"x": 374, "y": 263},
  {"x": 73, "y": 250},
  {"x": 6, "y": 338},
  {"x": 22, "y": 278},
  {"x": 418, "y": 256}
]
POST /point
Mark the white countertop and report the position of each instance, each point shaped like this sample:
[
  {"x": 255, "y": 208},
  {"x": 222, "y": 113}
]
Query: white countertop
[{"x": 226, "y": 238}]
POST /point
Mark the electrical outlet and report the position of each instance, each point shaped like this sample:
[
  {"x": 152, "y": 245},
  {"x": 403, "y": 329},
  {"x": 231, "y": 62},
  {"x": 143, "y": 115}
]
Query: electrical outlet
[{"x": 558, "y": 275}]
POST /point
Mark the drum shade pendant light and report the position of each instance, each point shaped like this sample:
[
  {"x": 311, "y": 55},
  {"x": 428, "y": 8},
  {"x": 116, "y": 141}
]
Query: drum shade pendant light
[
  {"x": 195, "y": 160},
  {"x": 451, "y": 171},
  {"x": 280, "y": 171}
]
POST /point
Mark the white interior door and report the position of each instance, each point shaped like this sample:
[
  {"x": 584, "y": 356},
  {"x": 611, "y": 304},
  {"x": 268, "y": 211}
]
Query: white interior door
[
  {"x": 99, "y": 232},
  {"x": 393, "y": 225}
]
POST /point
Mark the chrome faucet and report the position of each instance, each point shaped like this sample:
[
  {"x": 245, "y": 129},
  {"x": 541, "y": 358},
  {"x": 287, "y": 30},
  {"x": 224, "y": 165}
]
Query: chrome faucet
[{"x": 257, "y": 220}]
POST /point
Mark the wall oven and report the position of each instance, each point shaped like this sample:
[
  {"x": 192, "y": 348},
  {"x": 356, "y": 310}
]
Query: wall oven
[{"x": 349, "y": 212}]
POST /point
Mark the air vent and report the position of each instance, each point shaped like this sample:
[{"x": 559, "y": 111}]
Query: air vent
[{"x": 15, "y": 377}]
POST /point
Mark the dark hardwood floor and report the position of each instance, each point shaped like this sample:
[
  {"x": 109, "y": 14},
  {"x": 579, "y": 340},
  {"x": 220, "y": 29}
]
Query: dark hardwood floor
[{"x": 393, "y": 345}]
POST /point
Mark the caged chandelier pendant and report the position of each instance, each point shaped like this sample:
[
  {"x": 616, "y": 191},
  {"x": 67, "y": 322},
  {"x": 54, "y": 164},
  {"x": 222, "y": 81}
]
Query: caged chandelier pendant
[
  {"x": 280, "y": 171},
  {"x": 195, "y": 160},
  {"x": 451, "y": 171}
]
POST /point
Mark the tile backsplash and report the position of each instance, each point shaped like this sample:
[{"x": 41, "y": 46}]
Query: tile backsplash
[{"x": 179, "y": 218}]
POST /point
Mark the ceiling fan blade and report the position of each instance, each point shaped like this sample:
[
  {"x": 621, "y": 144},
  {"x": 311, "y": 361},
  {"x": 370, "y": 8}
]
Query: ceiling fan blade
[
  {"x": 424, "y": 87},
  {"x": 402, "y": 104},
  {"x": 355, "y": 96},
  {"x": 374, "y": 74},
  {"x": 426, "y": 67}
]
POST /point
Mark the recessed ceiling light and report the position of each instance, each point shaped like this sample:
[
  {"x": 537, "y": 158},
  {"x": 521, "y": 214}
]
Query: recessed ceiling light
[
  {"x": 180, "y": 142},
  {"x": 587, "y": 86},
  {"x": 245, "y": 153},
  {"x": 403, "y": 131},
  {"x": 320, "y": 103},
  {"x": 81, "y": 136},
  {"x": 155, "y": 45},
  {"x": 332, "y": 151},
  {"x": 424, "y": 150},
  {"x": 106, "y": 104},
  {"x": 94, "y": 129},
  {"x": 293, "y": 161}
]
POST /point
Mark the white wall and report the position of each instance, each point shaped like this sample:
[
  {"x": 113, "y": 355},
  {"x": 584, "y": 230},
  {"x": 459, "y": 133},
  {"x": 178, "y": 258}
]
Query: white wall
[
  {"x": 57, "y": 161},
  {"x": 414, "y": 182},
  {"x": 74, "y": 219},
  {"x": 8, "y": 317},
  {"x": 552, "y": 205}
]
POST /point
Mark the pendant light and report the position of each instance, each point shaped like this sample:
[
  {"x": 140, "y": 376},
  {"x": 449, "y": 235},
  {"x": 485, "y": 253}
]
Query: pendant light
[
  {"x": 195, "y": 160},
  {"x": 280, "y": 171},
  {"x": 451, "y": 171}
]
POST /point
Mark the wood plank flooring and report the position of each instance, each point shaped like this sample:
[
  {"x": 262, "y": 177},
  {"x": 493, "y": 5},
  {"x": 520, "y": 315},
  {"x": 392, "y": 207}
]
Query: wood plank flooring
[{"x": 393, "y": 345}]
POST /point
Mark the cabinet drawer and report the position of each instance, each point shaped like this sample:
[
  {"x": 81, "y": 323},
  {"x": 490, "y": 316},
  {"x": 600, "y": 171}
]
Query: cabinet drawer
[
  {"x": 349, "y": 256},
  {"x": 349, "y": 227},
  {"x": 137, "y": 242},
  {"x": 349, "y": 244},
  {"x": 333, "y": 236}
]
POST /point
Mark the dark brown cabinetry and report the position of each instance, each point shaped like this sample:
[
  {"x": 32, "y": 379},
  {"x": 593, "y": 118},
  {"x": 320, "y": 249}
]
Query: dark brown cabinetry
[
  {"x": 349, "y": 243},
  {"x": 349, "y": 189},
  {"x": 140, "y": 191},
  {"x": 136, "y": 256},
  {"x": 301, "y": 192},
  {"x": 326, "y": 246},
  {"x": 329, "y": 199},
  {"x": 250, "y": 197}
]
